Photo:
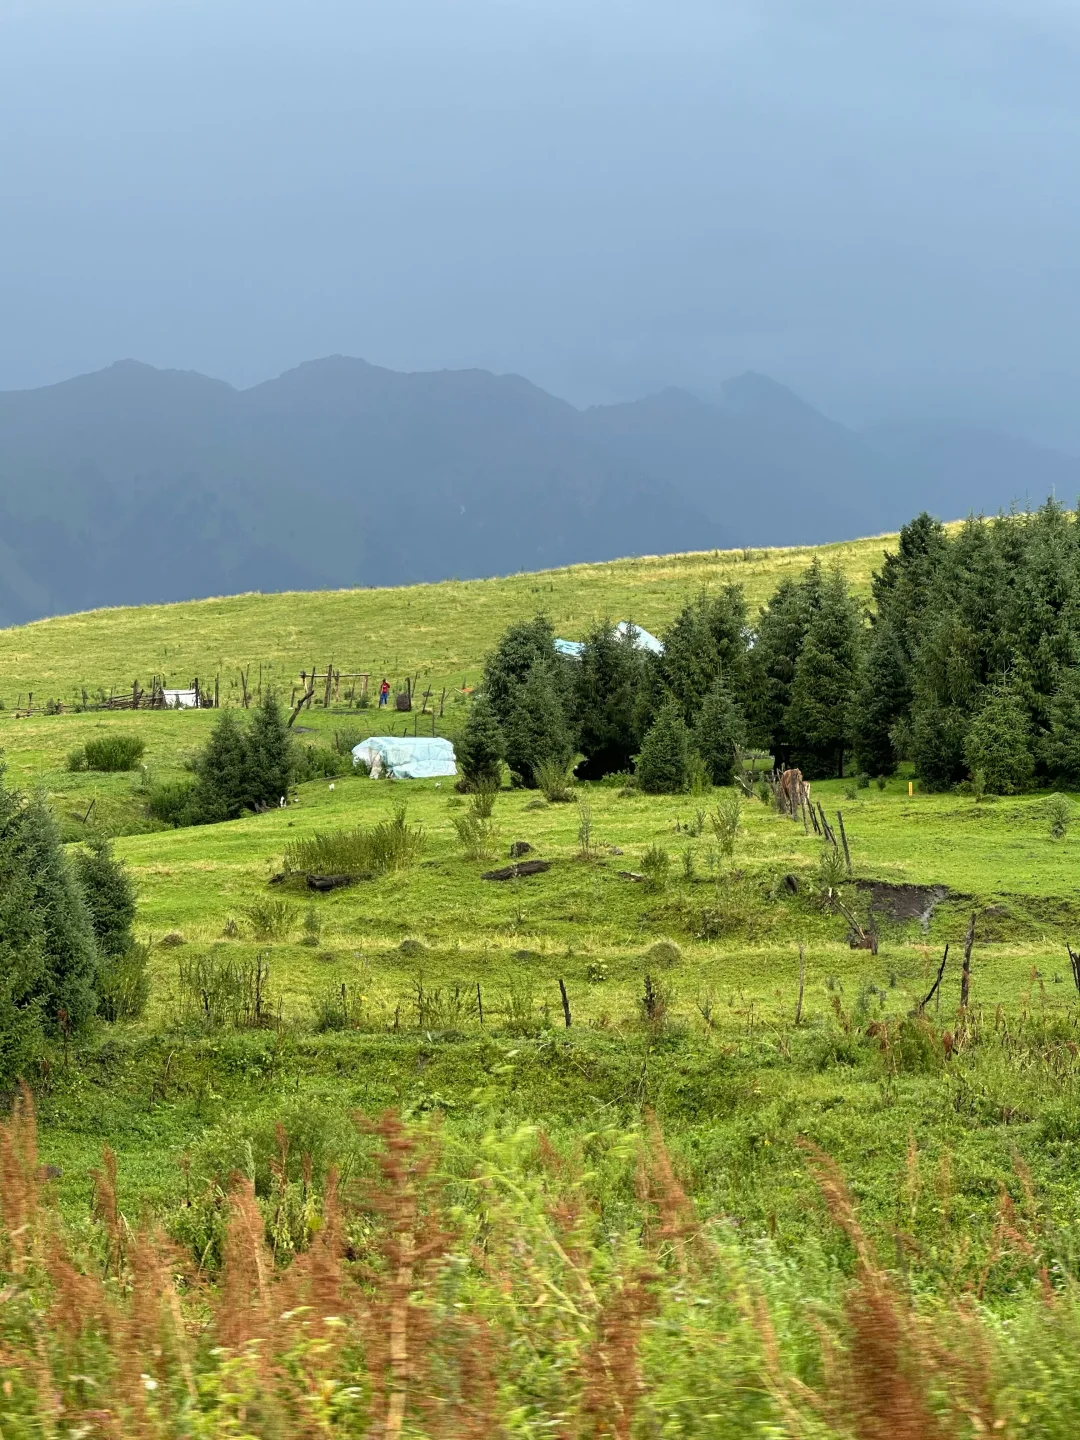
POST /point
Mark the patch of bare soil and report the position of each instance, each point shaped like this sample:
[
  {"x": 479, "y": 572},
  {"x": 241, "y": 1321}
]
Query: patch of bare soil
[{"x": 901, "y": 903}]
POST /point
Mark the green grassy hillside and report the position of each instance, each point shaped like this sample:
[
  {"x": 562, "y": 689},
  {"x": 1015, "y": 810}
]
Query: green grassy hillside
[{"x": 441, "y": 631}]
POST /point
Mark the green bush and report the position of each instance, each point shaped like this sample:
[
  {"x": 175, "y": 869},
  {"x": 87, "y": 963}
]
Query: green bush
[
  {"x": 656, "y": 866},
  {"x": 318, "y": 762},
  {"x": 175, "y": 802},
  {"x": 555, "y": 781},
  {"x": 269, "y": 919},
  {"x": 999, "y": 742},
  {"x": 110, "y": 896},
  {"x": 114, "y": 752},
  {"x": 663, "y": 767}
]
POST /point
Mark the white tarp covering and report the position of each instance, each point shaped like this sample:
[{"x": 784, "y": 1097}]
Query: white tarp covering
[
  {"x": 181, "y": 699},
  {"x": 407, "y": 757},
  {"x": 642, "y": 641}
]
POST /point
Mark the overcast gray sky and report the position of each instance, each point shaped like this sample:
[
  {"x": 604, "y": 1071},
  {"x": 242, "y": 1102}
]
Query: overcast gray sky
[{"x": 875, "y": 201}]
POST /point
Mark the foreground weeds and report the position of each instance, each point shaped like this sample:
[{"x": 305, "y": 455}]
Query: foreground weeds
[{"x": 502, "y": 1302}]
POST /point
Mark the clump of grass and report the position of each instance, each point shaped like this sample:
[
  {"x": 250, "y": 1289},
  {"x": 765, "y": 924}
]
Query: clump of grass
[
  {"x": 108, "y": 753},
  {"x": 337, "y": 1008},
  {"x": 477, "y": 836},
  {"x": 726, "y": 822},
  {"x": 555, "y": 781},
  {"x": 123, "y": 984},
  {"x": 269, "y": 919},
  {"x": 585, "y": 830},
  {"x": 482, "y": 798},
  {"x": 656, "y": 867},
  {"x": 363, "y": 852},
  {"x": 348, "y": 736},
  {"x": 663, "y": 955},
  {"x": 225, "y": 993},
  {"x": 313, "y": 926}
]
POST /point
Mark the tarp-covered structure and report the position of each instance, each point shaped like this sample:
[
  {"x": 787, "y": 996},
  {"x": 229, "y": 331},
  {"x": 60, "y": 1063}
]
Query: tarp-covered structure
[
  {"x": 407, "y": 757},
  {"x": 642, "y": 641}
]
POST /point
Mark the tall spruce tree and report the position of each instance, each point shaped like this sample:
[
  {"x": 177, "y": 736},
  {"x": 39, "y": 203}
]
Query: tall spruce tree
[
  {"x": 882, "y": 701},
  {"x": 536, "y": 730},
  {"x": 109, "y": 894},
  {"x": 720, "y": 727},
  {"x": 818, "y": 720},
  {"x": 66, "y": 989},
  {"x": 481, "y": 746},
  {"x": 222, "y": 789},
  {"x": 524, "y": 647},
  {"x": 23, "y": 969},
  {"x": 998, "y": 743},
  {"x": 782, "y": 627},
  {"x": 605, "y": 696},
  {"x": 663, "y": 767},
  {"x": 1059, "y": 746},
  {"x": 269, "y": 762}
]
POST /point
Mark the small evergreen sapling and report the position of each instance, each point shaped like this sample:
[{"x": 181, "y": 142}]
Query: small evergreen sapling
[
  {"x": 719, "y": 729},
  {"x": 481, "y": 747},
  {"x": 663, "y": 766}
]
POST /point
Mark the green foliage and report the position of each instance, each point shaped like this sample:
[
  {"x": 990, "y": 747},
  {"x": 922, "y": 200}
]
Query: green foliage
[
  {"x": 269, "y": 762},
  {"x": 999, "y": 742},
  {"x": 525, "y": 647},
  {"x": 536, "y": 730},
  {"x": 555, "y": 781},
  {"x": 114, "y": 752},
  {"x": 477, "y": 836},
  {"x": 363, "y": 852},
  {"x": 1059, "y": 747},
  {"x": 938, "y": 736},
  {"x": 65, "y": 988},
  {"x": 781, "y": 630},
  {"x": 223, "y": 992},
  {"x": 719, "y": 730},
  {"x": 882, "y": 699},
  {"x": 221, "y": 790},
  {"x": 606, "y": 683},
  {"x": 481, "y": 747},
  {"x": 319, "y": 762},
  {"x": 23, "y": 947},
  {"x": 110, "y": 896},
  {"x": 175, "y": 802},
  {"x": 656, "y": 867},
  {"x": 1060, "y": 813},
  {"x": 818, "y": 720},
  {"x": 347, "y": 737},
  {"x": 663, "y": 765},
  {"x": 726, "y": 822},
  {"x": 123, "y": 983},
  {"x": 269, "y": 919}
]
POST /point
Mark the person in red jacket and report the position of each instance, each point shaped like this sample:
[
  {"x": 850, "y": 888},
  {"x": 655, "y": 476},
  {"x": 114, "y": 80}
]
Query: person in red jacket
[{"x": 384, "y": 692}]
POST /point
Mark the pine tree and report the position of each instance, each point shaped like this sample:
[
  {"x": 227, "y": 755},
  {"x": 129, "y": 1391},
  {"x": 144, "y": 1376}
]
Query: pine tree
[
  {"x": 481, "y": 746},
  {"x": 66, "y": 990},
  {"x": 524, "y": 647},
  {"x": 109, "y": 894},
  {"x": 1059, "y": 748},
  {"x": 536, "y": 730},
  {"x": 882, "y": 701},
  {"x": 689, "y": 666},
  {"x": 818, "y": 718},
  {"x": 999, "y": 742},
  {"x": 22, "y": 948},
  {"x": 720, "y": 727},
  {"x": 782, "y": 628},
  {"x": 269, "y": 763},
  {"x": 222, "y": 788},
  {"x": 937, "y": 744},
  {"x": 663, "y": 767},
  {"x": 605, "y": 694}
]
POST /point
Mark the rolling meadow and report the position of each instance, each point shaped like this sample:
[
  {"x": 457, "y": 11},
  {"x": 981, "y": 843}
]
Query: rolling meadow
[{"x": 637, "y": 1144}]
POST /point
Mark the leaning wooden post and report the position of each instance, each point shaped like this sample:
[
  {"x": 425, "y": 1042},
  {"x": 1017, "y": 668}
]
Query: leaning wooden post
[
  {"x": 479, "y": 1002},
  {"x": 802, "y": 984},
  {"x": 843, "y": 837},
  {"x": 1074, "y": 961},
  {"x": 565, "y": 1002},
  {"x": 935, "y": 988},
  {"x": 965, "y": 977}
]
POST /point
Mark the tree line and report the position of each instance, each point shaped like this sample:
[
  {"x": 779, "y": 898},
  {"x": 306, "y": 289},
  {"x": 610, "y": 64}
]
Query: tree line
[{"x": 966, "y": 663}]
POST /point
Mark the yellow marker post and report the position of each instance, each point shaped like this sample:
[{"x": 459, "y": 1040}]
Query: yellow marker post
[{"x": 910, "y": 788}]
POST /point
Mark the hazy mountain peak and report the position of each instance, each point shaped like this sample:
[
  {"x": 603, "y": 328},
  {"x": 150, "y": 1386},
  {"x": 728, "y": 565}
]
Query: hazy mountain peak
[{"x": 755, "y": 396}]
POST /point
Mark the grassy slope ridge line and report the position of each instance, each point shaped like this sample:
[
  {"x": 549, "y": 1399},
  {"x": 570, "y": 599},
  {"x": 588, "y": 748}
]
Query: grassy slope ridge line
[{"x": 441, "y": 630}]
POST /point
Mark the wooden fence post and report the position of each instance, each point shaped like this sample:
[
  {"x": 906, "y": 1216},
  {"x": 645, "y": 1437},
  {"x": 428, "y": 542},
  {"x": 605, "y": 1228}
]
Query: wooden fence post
[
  {"x": 965, "y": 978},
  {"x": 565, "y": 1002}
]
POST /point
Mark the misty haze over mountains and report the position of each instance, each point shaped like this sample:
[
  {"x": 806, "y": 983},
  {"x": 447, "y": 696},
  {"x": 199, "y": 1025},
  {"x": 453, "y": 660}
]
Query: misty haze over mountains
[{"x": 133, "y": 484}]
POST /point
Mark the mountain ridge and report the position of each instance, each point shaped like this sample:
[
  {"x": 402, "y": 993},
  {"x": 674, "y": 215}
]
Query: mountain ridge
[{"x": 136, "y": 484}]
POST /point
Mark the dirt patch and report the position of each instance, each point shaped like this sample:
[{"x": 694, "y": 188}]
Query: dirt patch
[{"x": 902, "y": 903}]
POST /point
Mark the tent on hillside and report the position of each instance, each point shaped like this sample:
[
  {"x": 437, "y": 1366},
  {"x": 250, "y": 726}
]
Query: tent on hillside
[
  {"x": 642, "y": 641},
  {"x": 406, "y": 757}
]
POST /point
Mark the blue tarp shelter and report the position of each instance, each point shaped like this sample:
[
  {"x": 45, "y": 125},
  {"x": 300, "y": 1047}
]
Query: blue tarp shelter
[
  {"x": 642, "y": 641},
  {"x": 407, "y": 757}
]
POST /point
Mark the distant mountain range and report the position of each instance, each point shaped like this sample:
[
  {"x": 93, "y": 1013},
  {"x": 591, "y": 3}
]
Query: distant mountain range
[{"x": 134, "y": 484}]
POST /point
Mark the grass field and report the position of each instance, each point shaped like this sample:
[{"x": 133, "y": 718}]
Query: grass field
[
  {"x": 439, "y": 631},
  {"x": 372, "y": 995}
]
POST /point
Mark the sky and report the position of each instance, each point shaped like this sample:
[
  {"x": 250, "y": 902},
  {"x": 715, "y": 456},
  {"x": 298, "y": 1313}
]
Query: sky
[{"x": 873, "y": 201}]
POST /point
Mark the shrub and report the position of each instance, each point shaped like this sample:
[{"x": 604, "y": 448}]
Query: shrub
[
  {"x": 536, "y": 729},
  {"x": 346, "y": 738},
  {"x": 726, "y": 822},
  {"x": 656, "y": 865},
  {"x": 110, "y": 896},
  {"x": 477, "y": 836},
  {"x": 269, "y": 919},
  {"x": 175, "y": 802},
  {"x": 113, "y": 752},
  {"x": 337, "y": 1008},
  {"x": 364, "y": 852},
  {"x": 482, "y": 802},
  {"x": 719, "y": 730},
  {"x": 663, "y": 767},
  {"x": 123, "y": 985},
  {"x": 555, "y": 780},
  {"x": 318, "y": 762},
  {"x": 225, "y": 993},
  {"x": 999, "y": 742},
  {"x": 76, "y": 760},
  {"x": 1060, "y": 814}
]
